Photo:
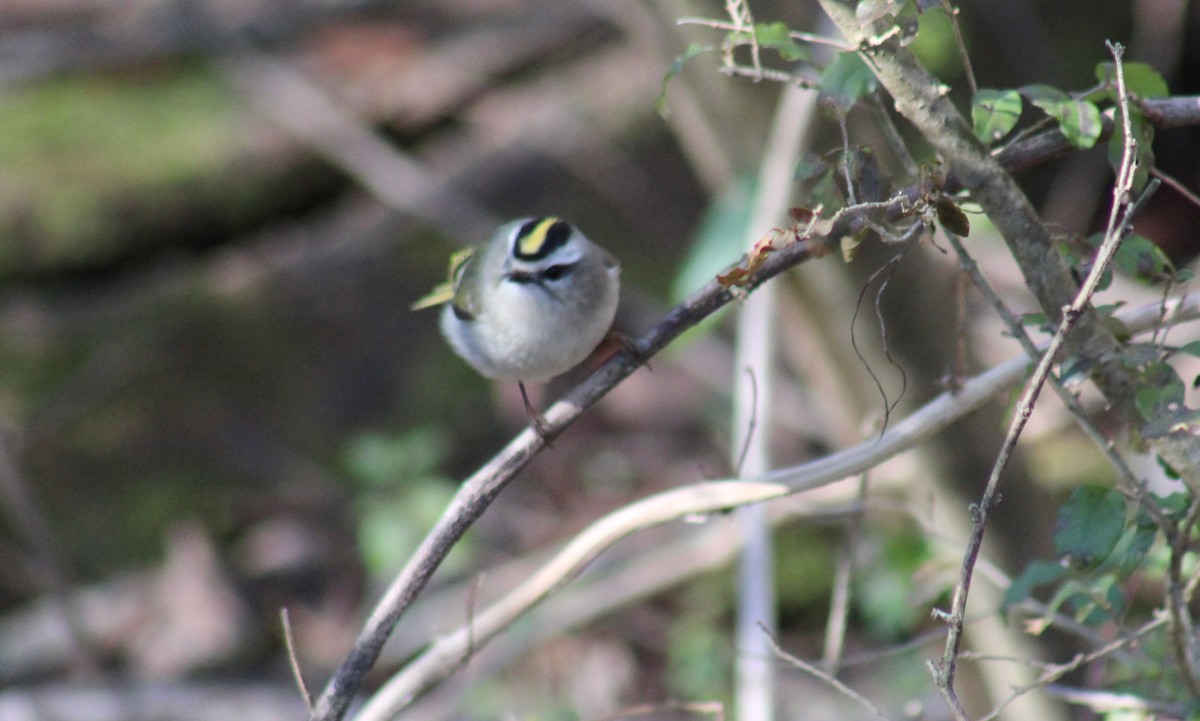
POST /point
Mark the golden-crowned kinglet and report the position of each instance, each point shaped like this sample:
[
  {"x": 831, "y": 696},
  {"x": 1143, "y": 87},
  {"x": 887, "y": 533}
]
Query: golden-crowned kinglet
[{"x": 530, "y": 303}]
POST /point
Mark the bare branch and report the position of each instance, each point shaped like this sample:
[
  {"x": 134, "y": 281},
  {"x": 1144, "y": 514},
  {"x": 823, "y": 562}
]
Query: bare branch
[
  {"x": 1183, "y": 630},
  {"x": 391, "y": 177},
  {"x": 963, "y": 57},
  {"x": 289, "y": 644},
  {"x": 1017, "y": 330},
  {"x": 795, "y": 35},
  {"x": 1102, "y": 701},
  {"x": 449, "y": 650},
  {"x": 839, "y": 595},
  {"x": 715, "y": 709},
  {"x": 1053, "y": 672},
  {"x": 840, "y": 687}
]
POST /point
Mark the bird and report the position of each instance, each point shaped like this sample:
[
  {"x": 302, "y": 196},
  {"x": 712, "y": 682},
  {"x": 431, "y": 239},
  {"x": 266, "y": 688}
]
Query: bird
[{"x": 529, "y": 304}]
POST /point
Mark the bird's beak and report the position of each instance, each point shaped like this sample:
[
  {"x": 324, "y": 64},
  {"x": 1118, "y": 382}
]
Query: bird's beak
[{"x": 520, "y": 276}]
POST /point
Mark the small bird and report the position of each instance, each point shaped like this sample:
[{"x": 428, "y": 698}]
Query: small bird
[{"x": 529, "y": 304}]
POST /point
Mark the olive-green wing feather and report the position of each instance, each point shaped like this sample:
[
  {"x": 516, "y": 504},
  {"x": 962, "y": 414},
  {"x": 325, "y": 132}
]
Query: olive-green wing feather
[{"x": 445, "y": 292}]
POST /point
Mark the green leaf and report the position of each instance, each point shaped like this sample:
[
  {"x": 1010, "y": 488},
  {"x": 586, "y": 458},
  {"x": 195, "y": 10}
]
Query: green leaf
[
  {"x": 846, "y": 80},
  {"x": 694, "y": 49},
  {"x": 1139, "y": 257},
  {"x": 1045, "y": 96},
  {"x": 1038, "y": 321},
  {"x": 1081, "y": 123},
  {"x": 1180, "y": 418},
  {"x": 1079, "y": 120},
  {"x": 871, "y": 183},
  {"x": 718, "y": 239},
  {"x": 810, "y": 169},
  {"x": 995, "y": 113},
  {"x": 777, "y": 36},
  {"x": 1141, "y": 79},
  {"x": 1168, "y": 470},
  {"x": 1089, "y": 524},
  {"x": 1136, "y": 543},
  {"x": 850, "y": 243},
  {"x": 1160, "y": 391},
  {"x": 1075, "y": 367},
  {"x": 1072, "y": 593},
  {"x": 1098, "y": 601},
  {"x": 817, "y": 185},
  {"x": 1174, "y": 505},
  {"x": 1035, "y": 575},
  {"x": 1137, "y": 355},
  {"x": 1192, "y": 348}
]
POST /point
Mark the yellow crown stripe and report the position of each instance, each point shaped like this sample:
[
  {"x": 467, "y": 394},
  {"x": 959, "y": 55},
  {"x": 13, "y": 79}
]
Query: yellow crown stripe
[{"x": 530, "y": 244}]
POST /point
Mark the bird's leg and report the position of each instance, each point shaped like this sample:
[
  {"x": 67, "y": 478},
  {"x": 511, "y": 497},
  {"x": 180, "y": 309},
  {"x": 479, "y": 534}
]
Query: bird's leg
[{"x": 534, "y": 417}]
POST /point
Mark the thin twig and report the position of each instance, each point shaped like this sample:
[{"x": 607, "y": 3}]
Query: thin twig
[
  {"x": 1104, "y": 701},
  {"x": 795, "y": 35},
  {"x": 892, "y": 135},
  {"x": 1174, "y": 184},
  {"x": 885, "y": 272},
  {"x": 963, "y": 57},
  {"x": 1053, "y": 672},
  {"x": 1129, "y": 158},
  {"x": 739, "y": 15},
  {"x": 958, "y": 366},
  {"x": 289, "y": 645},
  {"x": 847, "y": 157},
  {"x": 715, "y": 709},
  {"x": 839, "y": 596},
  {"x": 1183, "y": 634},
  {"x": 837, "y": 685},
  {"x": 280, "y": 91},
  {"x": 751, "y": 424},
  {"x": 1017, "y": 330},
  {"x": 779, "y": 76},
  {"x": 1123, "y": 211}
]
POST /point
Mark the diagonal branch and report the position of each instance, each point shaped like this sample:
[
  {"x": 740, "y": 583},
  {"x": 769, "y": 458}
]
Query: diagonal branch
[
  {"x": 478, "y": 491},
  {"x": 1118, "y": 228}
]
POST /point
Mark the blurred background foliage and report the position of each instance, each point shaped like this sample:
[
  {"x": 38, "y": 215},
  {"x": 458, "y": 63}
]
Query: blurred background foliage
[{"x": 207, "y": 361}]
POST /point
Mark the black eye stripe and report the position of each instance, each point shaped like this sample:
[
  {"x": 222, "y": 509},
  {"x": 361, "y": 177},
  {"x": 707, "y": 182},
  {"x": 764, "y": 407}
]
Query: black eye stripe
[
  {"x": 555, "y": 272},
  {"x": 540, "y": 237}
]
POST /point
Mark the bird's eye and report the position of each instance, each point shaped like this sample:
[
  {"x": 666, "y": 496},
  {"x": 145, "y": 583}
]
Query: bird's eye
[{"x": 555, "y": 272}]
